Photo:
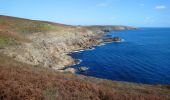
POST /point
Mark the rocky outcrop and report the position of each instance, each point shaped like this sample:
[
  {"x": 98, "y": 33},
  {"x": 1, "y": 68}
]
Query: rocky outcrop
[
  {"x": 82, "y": 69},
  {"x": 47, "y": 44},
  {"x": 114, "y": 39},
  {"x": 49, "y": 50}
]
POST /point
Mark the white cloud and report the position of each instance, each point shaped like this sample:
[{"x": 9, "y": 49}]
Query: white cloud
[
  {"x": 160, "y": 7},
  {"x": 102, "y": 5}
]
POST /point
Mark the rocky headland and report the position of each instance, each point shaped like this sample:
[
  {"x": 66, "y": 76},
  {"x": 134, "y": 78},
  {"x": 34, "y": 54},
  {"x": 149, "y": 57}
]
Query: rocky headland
[
  {"x": 114, "y": 39},
  {"x": 47, "y": 44}
]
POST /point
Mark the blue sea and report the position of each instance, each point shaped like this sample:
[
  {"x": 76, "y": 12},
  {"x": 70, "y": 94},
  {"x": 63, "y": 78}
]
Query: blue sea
[{"x": 143, "y": 57}]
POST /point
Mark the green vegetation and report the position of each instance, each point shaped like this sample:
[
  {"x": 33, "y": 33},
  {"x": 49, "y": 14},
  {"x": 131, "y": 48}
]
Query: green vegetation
[
  {"x": 25, "y": 26},
  {"x": 33, "y": 27},
  {"x": 2, "y": 21},
  {"x": 6, "y": 41}
]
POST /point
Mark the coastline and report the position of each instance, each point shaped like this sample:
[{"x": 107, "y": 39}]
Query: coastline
[
  {"x": 49, "y": 46},
  {"x": 92, "y": 47}
]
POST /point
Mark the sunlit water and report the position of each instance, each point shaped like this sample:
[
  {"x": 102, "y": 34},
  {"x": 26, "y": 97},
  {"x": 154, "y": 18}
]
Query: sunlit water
[{"x": 143, "y": 57}]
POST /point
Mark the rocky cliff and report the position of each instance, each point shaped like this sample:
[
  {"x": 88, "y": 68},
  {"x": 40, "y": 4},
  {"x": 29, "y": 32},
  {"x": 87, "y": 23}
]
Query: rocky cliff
[{"x": 46, "y": 43}]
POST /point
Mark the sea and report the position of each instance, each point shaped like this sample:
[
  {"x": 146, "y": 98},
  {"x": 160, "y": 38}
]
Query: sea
[{"x": 142, "y": 57}]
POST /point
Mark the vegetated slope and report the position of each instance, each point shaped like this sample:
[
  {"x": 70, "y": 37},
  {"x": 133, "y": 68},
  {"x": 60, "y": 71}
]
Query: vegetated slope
[
  {"x": 19, "y": 81},
  {"x": 46, "y": 43},
  {"x": 42, "y": 43}
]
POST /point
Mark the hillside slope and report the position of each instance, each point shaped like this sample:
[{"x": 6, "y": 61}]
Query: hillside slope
[
  {"x": 46, "y": 43},
  {"x": 19, "y": 81},
  {"x": 42, "y": 43}
]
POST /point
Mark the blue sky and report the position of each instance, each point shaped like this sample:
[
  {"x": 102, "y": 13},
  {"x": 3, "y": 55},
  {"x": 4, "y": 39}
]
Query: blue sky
[{"x": 141, "y": 13}]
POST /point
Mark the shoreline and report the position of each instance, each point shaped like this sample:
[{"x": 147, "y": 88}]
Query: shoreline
[
  {"x": 93, "y": 47},
  {"x": 49, "y": 48}
]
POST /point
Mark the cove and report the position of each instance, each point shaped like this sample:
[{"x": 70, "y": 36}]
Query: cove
[{"x": 143, "y": 57}]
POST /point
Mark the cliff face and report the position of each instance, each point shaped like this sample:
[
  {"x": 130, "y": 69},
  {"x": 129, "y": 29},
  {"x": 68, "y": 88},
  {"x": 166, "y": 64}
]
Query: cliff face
[
  {"x": 49, "y": 49},
  {"x": 46, "y": 43}
]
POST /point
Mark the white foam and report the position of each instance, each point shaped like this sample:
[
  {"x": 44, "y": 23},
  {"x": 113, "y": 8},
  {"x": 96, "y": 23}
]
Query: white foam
[
  {"x": 93, "y": 48},
  {"x": 81, "y": 50},
  {"x": 80, "y": 61},
  {"x": 76, "y": 51}
]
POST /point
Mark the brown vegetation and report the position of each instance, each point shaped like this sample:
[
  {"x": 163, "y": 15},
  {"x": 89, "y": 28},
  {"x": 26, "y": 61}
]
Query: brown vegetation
[{"x": 24, "y": 82}]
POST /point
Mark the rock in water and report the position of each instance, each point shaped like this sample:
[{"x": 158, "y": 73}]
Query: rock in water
[
  {"x": 77, "y": 61},
  {"x": 117, "y": 39},
  {"x": 114, "y": 39},
  {"x": 83, "y": 69}
]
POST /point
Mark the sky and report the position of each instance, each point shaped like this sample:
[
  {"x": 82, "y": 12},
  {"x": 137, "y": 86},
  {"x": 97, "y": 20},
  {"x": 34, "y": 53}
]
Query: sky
[{"x": 140, "y": 13}]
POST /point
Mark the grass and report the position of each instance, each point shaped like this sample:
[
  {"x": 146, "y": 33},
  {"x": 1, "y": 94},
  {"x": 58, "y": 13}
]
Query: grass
[
  {"x": 6, "y": 41},
  {"x": 12, "y": 28},
  {"x": 2, "y": 21},
  {"x": 21, "y": 29},
  {"x": 26, "y": 28}
]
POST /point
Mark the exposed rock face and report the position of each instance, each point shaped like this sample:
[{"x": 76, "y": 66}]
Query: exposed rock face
[
  {"x": 50, "y": 50},
  {"x": 46, "y": 43}
]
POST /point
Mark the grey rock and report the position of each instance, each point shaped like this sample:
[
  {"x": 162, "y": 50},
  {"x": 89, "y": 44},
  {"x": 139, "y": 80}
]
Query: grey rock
[{"x": 82, "y": 69}]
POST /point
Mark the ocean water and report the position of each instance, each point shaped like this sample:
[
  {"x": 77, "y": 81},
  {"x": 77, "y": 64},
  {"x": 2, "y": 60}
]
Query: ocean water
[{"x": 143, "y": 57}]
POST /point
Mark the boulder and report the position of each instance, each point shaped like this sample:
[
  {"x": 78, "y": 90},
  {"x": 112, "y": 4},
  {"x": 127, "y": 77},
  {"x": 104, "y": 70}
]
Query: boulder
[
  {"x": 82, "y": 69},
  {"x": 77, "y": 61}
]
